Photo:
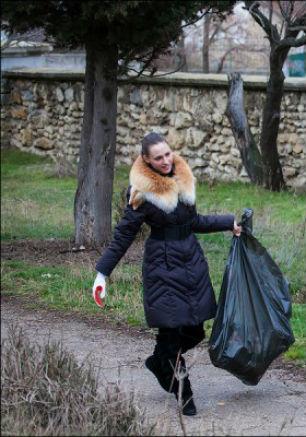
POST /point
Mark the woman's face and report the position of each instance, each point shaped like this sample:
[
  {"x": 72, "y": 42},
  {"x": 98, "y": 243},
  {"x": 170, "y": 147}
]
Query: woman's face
[{"x": 160, "y": 157}]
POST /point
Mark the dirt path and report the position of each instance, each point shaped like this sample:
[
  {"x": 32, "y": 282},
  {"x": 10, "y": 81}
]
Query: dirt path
[{"x": 276, "y": 406}]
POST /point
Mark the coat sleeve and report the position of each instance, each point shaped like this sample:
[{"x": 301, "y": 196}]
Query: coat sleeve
[
  {"x": 124, "y": 234},
  {"x": 212, "y": 223}
]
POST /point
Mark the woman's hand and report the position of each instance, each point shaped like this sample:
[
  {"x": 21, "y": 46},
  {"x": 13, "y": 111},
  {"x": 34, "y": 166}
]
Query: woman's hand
[
  {"x": 237, "y": 229},
  {"x": 99, "y": 290}
]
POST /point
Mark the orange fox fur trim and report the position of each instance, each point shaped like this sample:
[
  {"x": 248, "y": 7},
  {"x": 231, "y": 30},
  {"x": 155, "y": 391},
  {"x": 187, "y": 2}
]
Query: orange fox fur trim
[{"x": 164, "y": 192}]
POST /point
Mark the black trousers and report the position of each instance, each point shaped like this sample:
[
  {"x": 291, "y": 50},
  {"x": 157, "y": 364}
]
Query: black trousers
[{"x": 173, "y": 341}]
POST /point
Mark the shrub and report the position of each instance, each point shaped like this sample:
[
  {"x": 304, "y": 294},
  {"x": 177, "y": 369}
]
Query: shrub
[{"x": 46, "y": 392}]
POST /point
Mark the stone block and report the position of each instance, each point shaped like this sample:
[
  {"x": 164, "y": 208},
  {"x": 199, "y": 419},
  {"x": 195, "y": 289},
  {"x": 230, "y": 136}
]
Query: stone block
[
  {"x": 175, "y": 138},
  {"x": 214, "y": 147},
  {"x": 169, "y": 102},
  {"x": 135, "y": 97},
  {"x": 44, "y": 144},
  {"x": 27, "y": 95},
  {"x": 289, "y": 171},
  {"x": 297, "y": 148},
  {"x": 69, "y": 94},
  {"x": 19, "y": 112},
  {"x": 183, "y": 120},
  {"x": 293, "y": 138},
  {"x": 15, "y": 97},
  {"x": 215, "y": 158},
  {"x": 16, "y": 143},
  {"x": 217, "y": 118},
  {"x": 143, "y": 118},
  {"x": 49, "y": 129},
  {"x": 194, "y": 137}
]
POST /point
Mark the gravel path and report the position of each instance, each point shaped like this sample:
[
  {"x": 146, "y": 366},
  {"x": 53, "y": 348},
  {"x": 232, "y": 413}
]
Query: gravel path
[{"x": 277, "y": 406}]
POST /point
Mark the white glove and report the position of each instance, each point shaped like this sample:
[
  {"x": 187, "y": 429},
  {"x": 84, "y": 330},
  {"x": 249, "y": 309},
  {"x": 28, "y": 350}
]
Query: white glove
[{"x": 99, "y": 290}]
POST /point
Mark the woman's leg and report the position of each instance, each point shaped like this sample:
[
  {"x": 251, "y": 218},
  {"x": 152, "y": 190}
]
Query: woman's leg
[
  {"x": 165, "y": 357},
  {"x": 167, "y": 360},
  {"x": 190, "y": 336}
]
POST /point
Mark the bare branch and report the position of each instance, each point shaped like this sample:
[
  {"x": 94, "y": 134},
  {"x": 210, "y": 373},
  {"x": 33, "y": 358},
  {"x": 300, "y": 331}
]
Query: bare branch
[
  {"x": 153, "y": 70},
  {"x": 281, "y": 28},
  {"x": 197, "y": 19},
  {"x": 170, "y": 72},
  {"x": 270, "y": 12},
  {"x": 238, "y": 48},
  {"x": 262, "y": 20},
  {"x": 291, "y": 8},
  {"x": 146, "y": 58},
  {"x": 216, "y": 30},
  {"x": 222, "y": 59},
  {"x": 299, "y": 28},
  {"x": 285, "y": 22},
  {"x": 220, "y": 28},
  {"x": 291, "y": 42}
]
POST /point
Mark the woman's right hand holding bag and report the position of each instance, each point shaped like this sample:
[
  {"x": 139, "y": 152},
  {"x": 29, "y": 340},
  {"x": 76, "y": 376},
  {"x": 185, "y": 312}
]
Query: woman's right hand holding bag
[{"x": 99, "y": 290}]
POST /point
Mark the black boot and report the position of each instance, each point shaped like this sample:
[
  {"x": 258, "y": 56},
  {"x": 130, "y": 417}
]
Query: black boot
[
  {"x": 188, "y": 406},
  {"x": 163, "y": 373}
]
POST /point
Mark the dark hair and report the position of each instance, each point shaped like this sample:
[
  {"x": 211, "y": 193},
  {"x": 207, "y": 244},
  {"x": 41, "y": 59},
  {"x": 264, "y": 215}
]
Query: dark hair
[{"x": 149, "y": 140}]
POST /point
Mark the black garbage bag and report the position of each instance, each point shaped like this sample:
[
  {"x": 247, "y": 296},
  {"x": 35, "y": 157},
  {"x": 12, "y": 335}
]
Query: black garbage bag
[{"x": 252, "y": 324}]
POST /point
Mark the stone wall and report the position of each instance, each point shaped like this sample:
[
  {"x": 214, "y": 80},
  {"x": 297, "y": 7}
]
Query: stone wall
[{"x": 42, "y": 112}]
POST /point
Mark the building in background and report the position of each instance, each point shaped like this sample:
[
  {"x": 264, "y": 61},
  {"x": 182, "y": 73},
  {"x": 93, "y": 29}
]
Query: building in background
[
  {"x": 236, "y": 44},
  {"x": 296, "y": 62}
]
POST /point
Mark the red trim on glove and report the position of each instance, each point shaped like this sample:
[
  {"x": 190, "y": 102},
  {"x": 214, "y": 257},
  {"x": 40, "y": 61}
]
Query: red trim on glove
[{"x": 97, "y": 296}]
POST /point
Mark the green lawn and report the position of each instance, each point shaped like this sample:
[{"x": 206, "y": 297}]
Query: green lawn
[{"x": 36, "y": 204}]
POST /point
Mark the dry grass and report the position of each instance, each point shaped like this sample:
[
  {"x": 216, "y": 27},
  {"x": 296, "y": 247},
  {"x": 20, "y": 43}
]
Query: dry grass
[{"x": 46, "y": 392}]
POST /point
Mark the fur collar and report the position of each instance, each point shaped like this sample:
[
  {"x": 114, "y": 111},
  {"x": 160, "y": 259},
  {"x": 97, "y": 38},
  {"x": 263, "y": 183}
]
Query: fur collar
[{"x": 163, "y": 191}]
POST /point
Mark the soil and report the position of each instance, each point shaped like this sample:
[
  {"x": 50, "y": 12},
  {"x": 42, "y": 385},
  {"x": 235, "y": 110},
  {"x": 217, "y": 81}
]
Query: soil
[{"x": 54, "y": 251}]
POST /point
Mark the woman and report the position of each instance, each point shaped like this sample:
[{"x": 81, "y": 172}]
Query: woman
[{"x": 178, "y": 294}]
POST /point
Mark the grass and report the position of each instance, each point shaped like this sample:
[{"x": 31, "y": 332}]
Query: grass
[
  {"x": 36, "y": 204},
  {"x": 70, "y": 289}
]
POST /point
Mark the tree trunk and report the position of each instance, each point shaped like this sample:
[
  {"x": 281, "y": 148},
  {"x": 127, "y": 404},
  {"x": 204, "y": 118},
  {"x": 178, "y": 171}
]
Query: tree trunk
[
  {"x": 205, "y": 47},
  {"x": 182, "y": 59},
  {"x": 235, "y": 112},
  {"x": 92, "y": 205},
  {"x": 273, "y": 175}
]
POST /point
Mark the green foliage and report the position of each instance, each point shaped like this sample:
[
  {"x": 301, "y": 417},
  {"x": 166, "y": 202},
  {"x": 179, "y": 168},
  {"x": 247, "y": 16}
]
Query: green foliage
[{"x": 121, "y": 23}]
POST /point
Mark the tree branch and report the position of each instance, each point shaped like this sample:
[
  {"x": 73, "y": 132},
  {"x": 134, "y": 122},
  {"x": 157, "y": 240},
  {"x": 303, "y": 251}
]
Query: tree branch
[
  {"x": 216, "y": 30},
  {"x": 299, "y": 28},
  {"x": 262, "y": 20},
  {"x": 197, "y": 19},
  {"x": 270, "y": 13},
  {"x": 220, "y": 28},
  {"x": 291, "y": 42}
]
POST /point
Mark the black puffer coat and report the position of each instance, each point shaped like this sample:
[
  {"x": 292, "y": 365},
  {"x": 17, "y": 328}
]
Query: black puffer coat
[{"x": 176, "y": 283}]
